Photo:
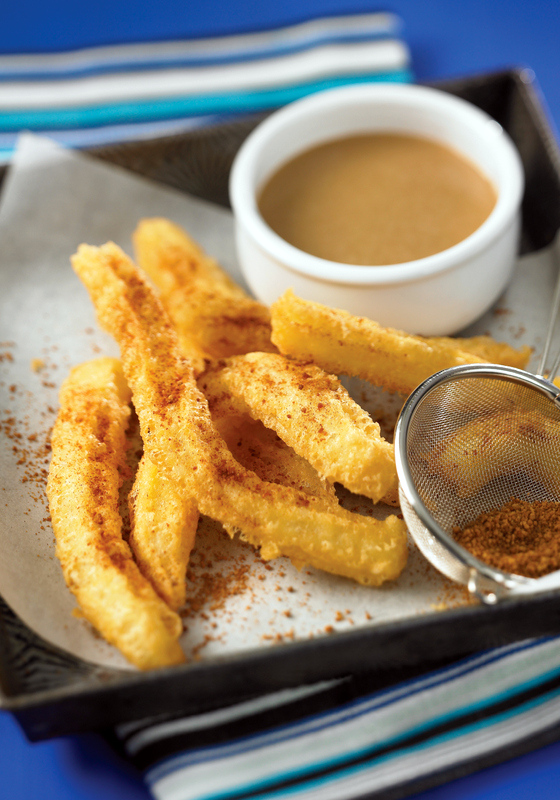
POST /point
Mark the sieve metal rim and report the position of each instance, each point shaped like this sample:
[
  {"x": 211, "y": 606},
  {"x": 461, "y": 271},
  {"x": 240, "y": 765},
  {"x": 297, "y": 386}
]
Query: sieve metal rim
[{"x": 507, "y": 580}]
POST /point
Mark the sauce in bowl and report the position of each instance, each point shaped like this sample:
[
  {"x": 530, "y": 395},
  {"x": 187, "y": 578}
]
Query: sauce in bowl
[{"x": 376, "y": 199}]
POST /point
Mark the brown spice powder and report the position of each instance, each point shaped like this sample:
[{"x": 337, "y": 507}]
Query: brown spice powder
[{"x": 520, "y": 537}]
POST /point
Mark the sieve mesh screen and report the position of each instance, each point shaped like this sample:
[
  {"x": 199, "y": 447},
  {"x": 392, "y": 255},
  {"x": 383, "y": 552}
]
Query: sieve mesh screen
[{"x": 475, "y": 443}]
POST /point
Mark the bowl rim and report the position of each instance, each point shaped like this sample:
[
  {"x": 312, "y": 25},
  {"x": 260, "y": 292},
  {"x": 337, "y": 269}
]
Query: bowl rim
[{"x": 247, "y": 215}]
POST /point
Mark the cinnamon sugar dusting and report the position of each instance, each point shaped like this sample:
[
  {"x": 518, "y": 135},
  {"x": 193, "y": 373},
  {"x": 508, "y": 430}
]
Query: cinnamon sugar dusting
[
  {"x": 236, "y": 599},
  {"x": 520, "y": 537},
  {"x": 28, "y": 438}
]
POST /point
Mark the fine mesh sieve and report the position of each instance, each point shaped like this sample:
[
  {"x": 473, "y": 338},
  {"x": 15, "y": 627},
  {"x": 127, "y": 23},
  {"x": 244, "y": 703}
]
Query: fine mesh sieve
[{"x": 468, "y": 440}]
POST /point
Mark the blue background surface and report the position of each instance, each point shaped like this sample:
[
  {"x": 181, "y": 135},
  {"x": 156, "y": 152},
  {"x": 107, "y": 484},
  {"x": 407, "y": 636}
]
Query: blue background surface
[{"x": 447, "y": 38}]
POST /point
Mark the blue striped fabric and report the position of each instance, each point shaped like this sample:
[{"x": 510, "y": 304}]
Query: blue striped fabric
[
  {"x": 141, "y": 91},
  {"x": 310, "y": 745}
]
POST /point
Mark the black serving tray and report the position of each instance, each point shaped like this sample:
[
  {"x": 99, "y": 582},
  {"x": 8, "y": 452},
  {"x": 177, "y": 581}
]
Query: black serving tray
[{"x": 52, "y": 693}]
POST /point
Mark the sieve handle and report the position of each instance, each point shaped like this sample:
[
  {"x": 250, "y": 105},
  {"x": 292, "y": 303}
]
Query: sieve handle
[
  {"x": 537, "y": 585},
  {"x": 552, "y": 320}
]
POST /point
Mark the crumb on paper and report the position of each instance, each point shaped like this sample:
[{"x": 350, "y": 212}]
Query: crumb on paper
[{"x": 228, "y": 570}]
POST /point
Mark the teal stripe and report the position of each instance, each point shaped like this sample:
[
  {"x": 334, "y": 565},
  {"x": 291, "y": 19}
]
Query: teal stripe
[
  {"x": 167, "y": 768},
  {"x": 421, "y": 746},
  {"x": 169, "y": 108}
]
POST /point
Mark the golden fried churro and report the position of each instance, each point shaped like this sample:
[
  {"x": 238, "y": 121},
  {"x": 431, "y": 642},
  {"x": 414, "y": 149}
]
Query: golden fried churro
[
  {"x": 503, "y": 442},
  {"x": 313, "y": 413},
  {"x": 180, "y": 438},
  {"x": 88, "y": 452},
  {"x": 213, "y": 316},
  {"x": 345, "y": 344},
  {"x": 261, "y": 450},
  {"x": 163, "y": 529},
  {"x": 485, "y": 348}
]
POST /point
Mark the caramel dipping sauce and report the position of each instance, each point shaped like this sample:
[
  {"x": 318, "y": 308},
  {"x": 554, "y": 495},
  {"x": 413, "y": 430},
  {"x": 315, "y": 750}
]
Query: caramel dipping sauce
[{"x": 376, "y": 199}]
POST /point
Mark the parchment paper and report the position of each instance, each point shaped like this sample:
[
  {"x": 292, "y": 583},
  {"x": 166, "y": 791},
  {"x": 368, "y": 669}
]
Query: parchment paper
[{"x": 53, "y": 200}]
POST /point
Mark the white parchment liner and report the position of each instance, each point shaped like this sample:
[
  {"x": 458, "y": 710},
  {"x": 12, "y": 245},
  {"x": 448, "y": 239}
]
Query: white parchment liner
[{"x": 52, "y": 200}]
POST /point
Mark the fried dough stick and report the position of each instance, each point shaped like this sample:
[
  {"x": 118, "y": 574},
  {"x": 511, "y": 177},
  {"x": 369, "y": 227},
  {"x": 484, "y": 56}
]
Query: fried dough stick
[
  {"x": 88, "y": 449},
  {"x": 180, "y": 438},
  {"x": 497, "y": 444},
  {"x": 313, "y": 413},
  {"x": 164, "y": 250},
  {"x": 213, "y": 316},
  {"x": 163, "y": 530},
  {"x": 261, "y": 450},
  {"x": 342, "y": 343},
  {"x": 486, "y": 348}
]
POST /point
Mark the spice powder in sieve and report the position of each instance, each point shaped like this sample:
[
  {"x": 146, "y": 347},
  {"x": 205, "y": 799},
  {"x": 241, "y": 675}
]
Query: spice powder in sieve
[{"x": 521, "y": 537}]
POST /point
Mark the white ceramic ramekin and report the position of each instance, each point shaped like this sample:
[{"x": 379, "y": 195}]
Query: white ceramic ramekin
[{"x": 437, "y": 295}]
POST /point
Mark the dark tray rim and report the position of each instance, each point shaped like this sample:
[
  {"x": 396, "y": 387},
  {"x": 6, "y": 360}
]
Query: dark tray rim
[{"x": 94, "y": 697}]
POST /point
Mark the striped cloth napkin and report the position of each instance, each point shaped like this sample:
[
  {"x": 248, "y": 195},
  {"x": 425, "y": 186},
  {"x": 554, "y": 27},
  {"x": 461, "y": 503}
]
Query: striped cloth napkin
[
  {"x": 105, "y": 95},
  {"x": 338, "y": 741},
  {"x": 342, "y": 739}
]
